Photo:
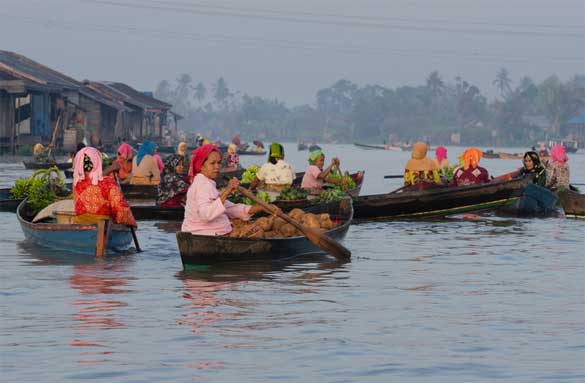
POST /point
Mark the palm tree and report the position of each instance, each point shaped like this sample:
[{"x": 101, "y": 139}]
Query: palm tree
[
  {"x": 502, "y": 82},
  {"x": 221, "y": 92},
  {"x": 200, "y": 92},
  {"x": 435, "y": 84}
]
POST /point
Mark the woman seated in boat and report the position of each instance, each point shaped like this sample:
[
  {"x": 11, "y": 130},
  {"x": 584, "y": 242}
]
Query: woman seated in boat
[
  {"x": 275, "y": 175},
  {"x": 159, "y": 161},
  {"x": 259, "y": 146},
  {"x": 144, "y": 166},
  {"x": 421, "y": 171},
  {"x": 534, "y": 167},
  {"x": 96, "y": 197},
  {"x": 182, "y": 152},
  {"x": 231, "y": 159},
  {"x": 207, "y": 212},
  {"x": 41, "y": 154},
  {"x": 173, "y": 186},
  {"x": 557, "y": 169},
  {"x": 315, "y": 175},
  {"x": 122, "y": 165},
  {"x": 470, "y": 173},
  {"x": 441, "y": 158}
]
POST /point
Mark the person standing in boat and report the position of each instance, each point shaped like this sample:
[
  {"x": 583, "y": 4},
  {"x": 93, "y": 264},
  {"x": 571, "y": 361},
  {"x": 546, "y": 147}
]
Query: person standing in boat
[
  {"x": 207, "y": 212},
  {"x": 97, "y": 197},
  {"x": 173, "y": 187},
  {"x": 231, "y": 159},
  {"x": 557, "y": 169},
  {"x": 275, "y": 175},
  {"x": 470, "y": 173},
  {"x": 122, "y": 165},
  {"x": 421, "y": 171},
  {"x": 315, "y": 175},
  {"x": 145, "y": 169}
]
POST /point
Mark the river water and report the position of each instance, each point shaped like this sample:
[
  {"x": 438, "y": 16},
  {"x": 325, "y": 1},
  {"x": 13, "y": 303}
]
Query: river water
[{"x": 453, "y": 300}]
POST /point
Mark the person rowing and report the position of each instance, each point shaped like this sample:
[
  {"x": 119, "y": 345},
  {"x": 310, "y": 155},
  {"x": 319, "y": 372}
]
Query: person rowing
[
  {"x": 207, "y": 211},
  {"x": 122, "y": 165},
  {"x": 315, "y": 176},
  {"x": 97, "y": 197}
]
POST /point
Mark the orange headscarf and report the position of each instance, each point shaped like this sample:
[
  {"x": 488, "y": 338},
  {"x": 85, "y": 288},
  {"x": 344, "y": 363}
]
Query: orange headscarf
[
  {"x": 419, "y": 160},
  {"x": 471, "y": 158}
]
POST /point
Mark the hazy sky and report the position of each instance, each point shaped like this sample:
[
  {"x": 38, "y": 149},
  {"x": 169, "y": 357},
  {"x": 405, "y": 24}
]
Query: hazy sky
[{"x": 290, "y": 49}]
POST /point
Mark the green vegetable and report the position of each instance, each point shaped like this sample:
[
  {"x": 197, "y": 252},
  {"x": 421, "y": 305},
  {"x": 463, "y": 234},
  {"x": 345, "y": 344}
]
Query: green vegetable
[
  {"x": 331, "y": 195},
  {"x": 40, "y": 188},
  {"x": 249, "y": 175},
  {"x": 291, "y": 194}
]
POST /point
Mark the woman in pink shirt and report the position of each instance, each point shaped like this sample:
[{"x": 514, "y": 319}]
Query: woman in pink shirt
[
  {"x": 315, "y": 175},
  {"x": 208, "y": 212}
]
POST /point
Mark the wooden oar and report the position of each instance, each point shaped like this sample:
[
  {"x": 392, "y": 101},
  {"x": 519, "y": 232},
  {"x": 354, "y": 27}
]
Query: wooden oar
[
  {"x": 395, "y": 176},
  {"x": 132, "y": 229},
  {"x": 321, "y": 240}
]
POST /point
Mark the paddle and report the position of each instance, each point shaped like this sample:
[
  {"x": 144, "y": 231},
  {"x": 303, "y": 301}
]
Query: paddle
[
  {"x": 132, "y": 229},
  {"x": 321, "y": 240},
  {"x": 395, "y": 176}
]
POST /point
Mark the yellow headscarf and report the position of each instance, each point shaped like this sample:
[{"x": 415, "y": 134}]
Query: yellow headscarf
[
  {"x": 419, "y": 160},
  {"x": 182, "y": 149},
  {"x": 38, "y": 149},
  {"x": 471, "y": 158}
]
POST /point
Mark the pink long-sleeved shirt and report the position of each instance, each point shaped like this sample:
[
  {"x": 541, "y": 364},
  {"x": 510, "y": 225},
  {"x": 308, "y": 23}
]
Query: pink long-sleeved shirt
[{"x": 205, "y": 214}]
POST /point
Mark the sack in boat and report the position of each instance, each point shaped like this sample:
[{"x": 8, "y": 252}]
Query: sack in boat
[{"x": 65, "y": 205}]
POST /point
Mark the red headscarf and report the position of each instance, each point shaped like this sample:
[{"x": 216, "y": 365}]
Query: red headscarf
[{"x": 198, "y": 157}]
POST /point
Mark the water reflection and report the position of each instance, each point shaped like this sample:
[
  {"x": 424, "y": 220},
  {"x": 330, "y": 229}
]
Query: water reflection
[{"x": 99, "y": 285}]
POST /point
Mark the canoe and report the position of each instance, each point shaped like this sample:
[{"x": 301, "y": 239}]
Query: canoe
[
  {"x": 45, "y": 165},
  {"x": 314, "y": 147},
  {"x": 76, "y": 238},
  {"x": 573, "y": 204},
  {"x": 352, "y": 192},
  {"x": 439, "y": 202},
  {"x": 204, "y": 250},
  {"x": 378, "y": 147},
  {"x": 6, "y": 203},
  {"x": 535, "y": 201},
  {"x": 251, "y": 153},
  {"x": 490, "y": 154}
]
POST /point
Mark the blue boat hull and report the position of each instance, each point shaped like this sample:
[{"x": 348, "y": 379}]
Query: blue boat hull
[{"x": 74, "y": 238}]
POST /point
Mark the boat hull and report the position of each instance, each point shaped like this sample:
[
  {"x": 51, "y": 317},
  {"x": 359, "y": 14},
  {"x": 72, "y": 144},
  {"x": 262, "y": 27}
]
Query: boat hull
[
  {"x": 573, "y": 204},
  {"x": 535, "y": 201},
  {"x": 37, "y": 165},
  {"x": 74, "y": 238},
  {"x": 203, "y": 250},
  {"x": 439, "y": 202},
  {"x": 6, "y": 203}
]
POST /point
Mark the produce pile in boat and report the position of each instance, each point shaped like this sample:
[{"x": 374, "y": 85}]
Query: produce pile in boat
[
  {"x": 41, "y": 188},
  {"x": 276, "y": 227}
]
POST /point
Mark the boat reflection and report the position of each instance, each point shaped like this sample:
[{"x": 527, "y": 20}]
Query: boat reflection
[{"x": 100, "y": 286}]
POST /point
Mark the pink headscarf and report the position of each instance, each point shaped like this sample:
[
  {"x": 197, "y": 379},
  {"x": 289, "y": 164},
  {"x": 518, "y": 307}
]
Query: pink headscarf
[
  {"x": 558, "y": 154},
  {"x": 125, "y": 150},
  {"x": 96, "y": 159},
  {"x": 441, "y": 153},
  {"x": 198, "y": 157},
  {"x": 159, "y": 162}
]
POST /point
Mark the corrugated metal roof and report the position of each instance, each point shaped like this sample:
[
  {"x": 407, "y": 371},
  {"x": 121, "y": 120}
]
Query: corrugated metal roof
[
  {"x": 150, "y": 102},
  {"x": 35, "y": 70}
]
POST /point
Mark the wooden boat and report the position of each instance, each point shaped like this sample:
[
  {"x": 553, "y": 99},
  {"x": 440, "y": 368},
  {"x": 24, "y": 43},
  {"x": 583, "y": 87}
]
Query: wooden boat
[
  {"x": 573, "y": 204},
  {"x": 314, "y": 147},
  {"x": 198, "y": 250},
  {"x": 251, "y": 152},
  {"x": 509, "y": 156},
  {"x": 535, "y": 201},
  {"x": 378, "y": 147},
  {"x": 439, "y": 202},
  {"x": 76, "y": 238},
  {"x": 490, "y": 154},
  {"x": 352, "y": 192},
  {"x": 6, "y": 203},
  {"x": 45, "y": 165}
]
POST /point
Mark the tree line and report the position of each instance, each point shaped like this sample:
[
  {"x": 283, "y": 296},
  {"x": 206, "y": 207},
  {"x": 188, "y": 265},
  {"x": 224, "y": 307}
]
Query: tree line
[{"x": 435, "y": 111}]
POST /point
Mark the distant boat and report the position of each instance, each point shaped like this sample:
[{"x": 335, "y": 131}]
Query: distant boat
[
  {"x": 378, "y": 147},
  {"x": 314, "y": 147},
  {"x": 47, "y": 165},
  {"x": 302, "y": 146}
]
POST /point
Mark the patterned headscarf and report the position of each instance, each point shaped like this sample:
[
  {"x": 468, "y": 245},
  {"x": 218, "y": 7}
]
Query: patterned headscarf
[
  {"x": 198, "y": 157},
  {"x": 276, "y": 152},
  {"x": 441, "y": 153},
  {"x": 314, "y": 156},
  {"x": 471, "y": 158},
  {"x": 147, "y": 147},
  {"x": 171, "y": 184},
  {"x": 558, "y": 155},
  {"x": 535, "y": 160},
  {"x": 80, "y": 164}
]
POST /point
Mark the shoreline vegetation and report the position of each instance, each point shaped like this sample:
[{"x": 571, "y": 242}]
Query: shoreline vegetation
[{"x": 437, "y": 111}]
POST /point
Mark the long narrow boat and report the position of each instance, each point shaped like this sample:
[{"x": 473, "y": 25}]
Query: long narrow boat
[
  {"x": 354, "y": 192},
  {"x": 573, "y": 204},
  {"x": 439, "y": 202},
  {"x": 76, "y": 238},
  {"x": 202, "y": 250},
  {"x": 6, "y": 203},
  {"x": 378, "y": 147},
  {"x": 251, "y": 152},
  {"x": 302, "y": 146},
  {"x": 45, "y": 165}
]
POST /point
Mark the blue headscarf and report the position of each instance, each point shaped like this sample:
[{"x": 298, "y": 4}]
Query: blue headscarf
[{"x": 147, "y": 147}]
